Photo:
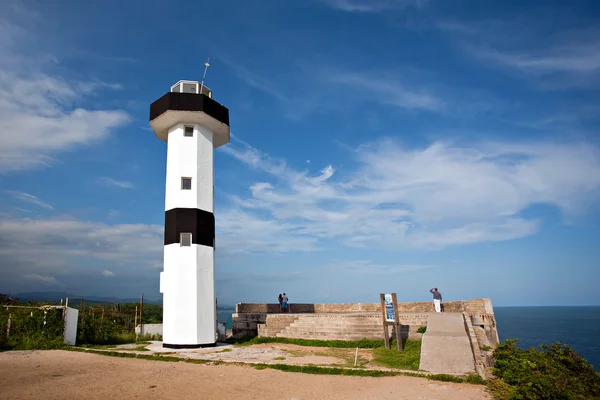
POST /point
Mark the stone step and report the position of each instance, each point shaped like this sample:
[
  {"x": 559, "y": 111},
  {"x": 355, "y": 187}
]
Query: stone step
[
  {"x": 329, "y": 337},
  {"x": 331, "y": 333}
]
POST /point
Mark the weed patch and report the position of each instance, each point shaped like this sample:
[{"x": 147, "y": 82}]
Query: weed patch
[
  {"x": 348, "y": 344},
  {"x": 407, "y": 359}
]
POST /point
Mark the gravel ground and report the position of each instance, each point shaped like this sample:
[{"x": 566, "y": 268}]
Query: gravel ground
[{"x": 57, "y": 374}]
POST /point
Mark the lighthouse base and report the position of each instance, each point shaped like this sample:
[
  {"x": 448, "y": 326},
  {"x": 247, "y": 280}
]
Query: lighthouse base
[{"x": 188, "y": 346}]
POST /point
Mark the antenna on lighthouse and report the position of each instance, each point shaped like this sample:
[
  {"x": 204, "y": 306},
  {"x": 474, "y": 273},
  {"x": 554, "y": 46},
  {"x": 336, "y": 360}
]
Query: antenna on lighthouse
[{"x": 206, "y": 65}]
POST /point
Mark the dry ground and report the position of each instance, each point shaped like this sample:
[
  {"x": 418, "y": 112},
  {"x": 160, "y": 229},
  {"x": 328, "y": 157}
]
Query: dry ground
[{"x": 57, "y": 374}]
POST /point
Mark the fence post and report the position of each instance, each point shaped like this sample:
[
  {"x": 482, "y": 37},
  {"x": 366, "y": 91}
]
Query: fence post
[{"x": 8, "y": 325}]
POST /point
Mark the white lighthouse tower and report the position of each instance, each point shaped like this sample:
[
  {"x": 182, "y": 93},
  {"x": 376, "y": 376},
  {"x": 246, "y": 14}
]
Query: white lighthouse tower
[{"x": 192, "y": 124}]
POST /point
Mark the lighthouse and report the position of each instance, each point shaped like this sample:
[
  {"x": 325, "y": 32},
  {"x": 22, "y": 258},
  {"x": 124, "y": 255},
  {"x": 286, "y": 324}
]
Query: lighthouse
[{"x": 193, "y": 124}]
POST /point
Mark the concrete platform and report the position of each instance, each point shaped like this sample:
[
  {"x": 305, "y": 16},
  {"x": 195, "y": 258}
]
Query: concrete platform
[
  {"x": 157, "y": 347},
  {"x": 446, "y": 348}
]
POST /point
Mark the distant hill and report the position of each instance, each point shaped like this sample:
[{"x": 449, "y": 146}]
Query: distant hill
[{"x": 55, "y": 297}]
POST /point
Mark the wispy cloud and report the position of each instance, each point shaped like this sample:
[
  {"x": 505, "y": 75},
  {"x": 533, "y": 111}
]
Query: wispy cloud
[
  {"x": 402, "y": 198},
  {"x": 46, "y": 108},
  {"x": 29, "y": 198},
  {"x": 106, "y": 181},
  {"x": 567, "y": 57},
  {"x": 46, "y": 280},
  {"x": 334, "y": 88},
  {"x": 389, "y": 90},
  {"x": 368, "y": 267},
  {"x": 108, "y": 273},
  {"x": 372, "y": 5}
]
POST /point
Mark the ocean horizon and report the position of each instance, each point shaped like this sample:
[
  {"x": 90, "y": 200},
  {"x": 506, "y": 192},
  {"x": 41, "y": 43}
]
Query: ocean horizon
[{"x": 576, "y": 326}]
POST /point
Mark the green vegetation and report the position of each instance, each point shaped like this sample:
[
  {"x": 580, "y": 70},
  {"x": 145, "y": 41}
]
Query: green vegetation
[
  {"x": 31, "y": 329},
  {"x": 224, "y": 351},
  {"x": 346, "y": 344},
  {"x": 407, "y": 359},
  {"x": 552, "y": 372},
  {"x": 485, "y": 348},
  {"x": 311, "y": 369},
  {"x": 422, "y": 329},
  {"x": 279, "y": 358},
  {"x": 114, "y": 324},
  {"x": 99, "y": 324}
]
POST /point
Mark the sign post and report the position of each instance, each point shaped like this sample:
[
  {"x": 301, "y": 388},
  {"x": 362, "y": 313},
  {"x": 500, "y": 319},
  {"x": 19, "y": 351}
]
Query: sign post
[{"x": 389, "y": 312}]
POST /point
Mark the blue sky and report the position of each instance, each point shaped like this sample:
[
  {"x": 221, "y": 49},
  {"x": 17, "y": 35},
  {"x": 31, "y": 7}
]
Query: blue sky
[{"x": 377, "y": 146}]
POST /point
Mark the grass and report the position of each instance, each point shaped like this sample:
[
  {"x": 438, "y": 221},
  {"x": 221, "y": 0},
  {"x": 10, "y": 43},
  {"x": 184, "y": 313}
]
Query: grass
[
  {"x": 344, "y": 344},
  {"x": 485, "y": 348},
  {"x": 310, "y": 369},
  {"x": 279, "y": 358},
  {"x": 407, "y": 359},
  {"x": 422, "y": 329},
  {"x": 224, "y": 351}
]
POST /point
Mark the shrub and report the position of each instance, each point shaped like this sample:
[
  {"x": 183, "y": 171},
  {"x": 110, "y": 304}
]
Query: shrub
[
  {"x": 31, "y": 329},
  {"x": 422, "y": 329},
  {"x": 552, "y": 372}
]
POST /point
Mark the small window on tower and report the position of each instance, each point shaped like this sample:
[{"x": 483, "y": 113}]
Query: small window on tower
[
  {"x": 188, "y": 131},
  {"x": 186, "y": 183},
  {"x": 186, "y": 239}
]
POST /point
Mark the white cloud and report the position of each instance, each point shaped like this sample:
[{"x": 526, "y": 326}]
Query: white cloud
[
  {"x": 107, "y": 273},
  {"x": 46, "y": 280},
  {"x": 369, "y": 268},
  {"x": 372, "y": 5},
  {"x": 565, "y": 58},
  {"x": 41, "y": 114},
  {"x": 115, "y": 183},
  {"x": 57, "y": 243},
  {"x": 398, "y": 198},
  {"x": 29, "y": 198},
  {"x": 389, "y": 90}
]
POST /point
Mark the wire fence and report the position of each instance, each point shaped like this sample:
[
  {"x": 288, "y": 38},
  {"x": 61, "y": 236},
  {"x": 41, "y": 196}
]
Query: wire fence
[
  {"x": 27, "y": 328},
  {"x": 34, "y": 326}
]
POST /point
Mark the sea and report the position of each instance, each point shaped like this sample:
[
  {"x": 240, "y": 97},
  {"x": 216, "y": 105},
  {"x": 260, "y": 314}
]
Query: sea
[{"x": 579, "y": 327}]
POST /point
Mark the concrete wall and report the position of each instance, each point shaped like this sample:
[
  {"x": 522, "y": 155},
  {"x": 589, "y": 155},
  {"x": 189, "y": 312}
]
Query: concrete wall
[
  {"x": 475, "y": 306},
  {"x": 70, "y": 332},
  {"x": 150, "y": 329},
  {"x": 249, "y": 315}
]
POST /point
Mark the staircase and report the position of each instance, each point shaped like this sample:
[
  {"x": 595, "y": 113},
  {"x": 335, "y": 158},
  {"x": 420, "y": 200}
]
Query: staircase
[{"x": 346, "y": 326}]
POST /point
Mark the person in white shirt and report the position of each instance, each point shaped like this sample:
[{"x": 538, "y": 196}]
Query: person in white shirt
[{"x": 437, "y": 299}]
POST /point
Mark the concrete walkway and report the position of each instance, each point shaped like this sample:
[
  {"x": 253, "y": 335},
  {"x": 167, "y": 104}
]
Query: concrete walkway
[{"x": 446, "y": 348}]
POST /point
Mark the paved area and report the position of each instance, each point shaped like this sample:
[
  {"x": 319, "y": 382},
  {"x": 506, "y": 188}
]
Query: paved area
[
  {"x": 56, "y": 374},
  {"x": 446, "y": 348}
]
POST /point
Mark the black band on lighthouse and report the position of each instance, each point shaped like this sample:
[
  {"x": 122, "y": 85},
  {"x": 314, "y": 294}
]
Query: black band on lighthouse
[{"x": 200, "y": 223}]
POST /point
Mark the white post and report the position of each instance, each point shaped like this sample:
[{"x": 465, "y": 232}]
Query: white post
[{"x": 356, "y": 357}]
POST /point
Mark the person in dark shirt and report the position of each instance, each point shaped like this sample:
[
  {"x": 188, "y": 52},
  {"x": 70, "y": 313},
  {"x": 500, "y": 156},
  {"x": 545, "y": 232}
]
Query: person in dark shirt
[
  {"x": 280, "y": 298},
  {"x": 437, "y": 299}
]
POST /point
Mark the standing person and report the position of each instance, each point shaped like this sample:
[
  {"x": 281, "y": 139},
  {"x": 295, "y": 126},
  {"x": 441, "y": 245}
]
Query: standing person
[
  {"x": 284, "y": 303},
  {"x": 437, "y": 299},
  {"x": 280, "y": 299}
]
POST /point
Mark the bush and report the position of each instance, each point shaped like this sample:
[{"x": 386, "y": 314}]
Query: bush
[
  {"x": 553, "y": 372},
  {"x": 422, "y": 329},
  {"x": 31, "y": 329}
]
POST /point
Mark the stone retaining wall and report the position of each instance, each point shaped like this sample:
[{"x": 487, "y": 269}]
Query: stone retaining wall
[
  {"x": 249, "y": 315},
  {"x": 474, "y": 306}
]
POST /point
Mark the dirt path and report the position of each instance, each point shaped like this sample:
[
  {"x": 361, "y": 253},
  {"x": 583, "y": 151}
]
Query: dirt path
[{"x": 68, "y": 375}]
